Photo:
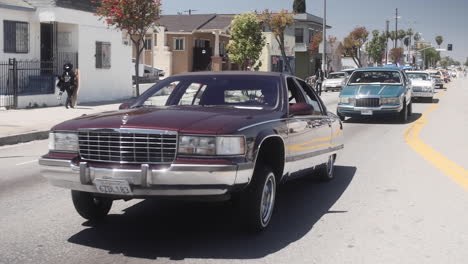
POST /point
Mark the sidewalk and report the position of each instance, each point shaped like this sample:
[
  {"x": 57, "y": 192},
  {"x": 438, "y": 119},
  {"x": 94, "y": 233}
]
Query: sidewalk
[{"x": 24, "y": 125}]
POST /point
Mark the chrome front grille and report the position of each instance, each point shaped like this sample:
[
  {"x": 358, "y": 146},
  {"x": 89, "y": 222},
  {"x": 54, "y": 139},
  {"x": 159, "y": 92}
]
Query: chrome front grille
[
  {"x": 418, "y": 89},
  {"x": 367, "y": 102},
  {"x": 128, "y": 146}
]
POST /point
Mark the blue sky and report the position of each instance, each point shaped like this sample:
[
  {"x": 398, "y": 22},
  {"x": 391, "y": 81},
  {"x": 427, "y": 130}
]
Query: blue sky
[{"x": 448, "y": 18}]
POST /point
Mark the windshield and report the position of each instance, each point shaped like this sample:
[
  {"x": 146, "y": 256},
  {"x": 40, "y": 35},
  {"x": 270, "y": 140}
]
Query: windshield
[
  {"x": 336, "y": 76},
  {"x": 418, "y": 76},
  {"x": 248, "y": 91},
  {"x": 366, "y": 77}
]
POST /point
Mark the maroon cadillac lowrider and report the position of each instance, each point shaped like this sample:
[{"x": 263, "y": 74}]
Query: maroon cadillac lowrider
[{"x": 213, "y": 136}]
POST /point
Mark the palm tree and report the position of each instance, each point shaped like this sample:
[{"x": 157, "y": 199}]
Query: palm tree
[
  {"x": 410, "y": 34},
  {"x": 439, "y": 40},
  {"x": 401, "y": 36},
  {"x": 393, "y": 37},
  {"x": 417, "y": 37}
]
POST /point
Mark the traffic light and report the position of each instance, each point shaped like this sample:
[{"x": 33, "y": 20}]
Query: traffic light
[{"x": 449, "y": 47}]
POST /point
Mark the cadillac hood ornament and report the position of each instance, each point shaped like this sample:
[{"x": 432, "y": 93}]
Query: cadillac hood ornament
[{"x": 124, "y": 119}]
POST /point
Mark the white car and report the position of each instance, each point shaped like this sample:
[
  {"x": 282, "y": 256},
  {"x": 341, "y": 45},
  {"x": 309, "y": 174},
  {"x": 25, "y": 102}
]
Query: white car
[
  {"x": 423, "y": 84},
  {"x": 335, "y": 81}
]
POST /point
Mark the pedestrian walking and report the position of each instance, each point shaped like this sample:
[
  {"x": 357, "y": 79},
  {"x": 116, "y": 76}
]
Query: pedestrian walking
[
  {"x": 319, "y": 80},
  {"x": 68, "y": 82}
]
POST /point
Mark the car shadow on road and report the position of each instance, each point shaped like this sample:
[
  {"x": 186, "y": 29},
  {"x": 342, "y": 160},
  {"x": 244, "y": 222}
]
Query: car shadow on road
[
  {"x": 426, "y": 101},
  {"x": 155, "y": 229},
  {"x": 387, "y": 120}
]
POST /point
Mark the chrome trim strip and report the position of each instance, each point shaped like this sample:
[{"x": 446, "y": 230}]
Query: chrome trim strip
[
  {"x": 314, "y": 154},
  {"x": 54, "y": 162},
  {"x": 129, "y": 130},
  {"x": 261, "y": 123}
]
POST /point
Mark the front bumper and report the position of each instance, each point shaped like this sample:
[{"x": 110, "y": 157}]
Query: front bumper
[
  {"x": 422, "y": 94},
  {"x": 176, "y": 180},
  {"x": 350, "y": 110}
]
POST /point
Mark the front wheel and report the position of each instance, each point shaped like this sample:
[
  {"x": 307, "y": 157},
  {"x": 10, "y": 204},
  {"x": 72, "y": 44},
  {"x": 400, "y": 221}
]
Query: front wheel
[
  {"x": 342, "y": 117},
  {"x": 403, "y": 116},
  {"x": 258, "y": 201},
  {"x": 326, "y": 171},
  {"x": 410, "y": 109},
  {"x": 91, "y": 207}
]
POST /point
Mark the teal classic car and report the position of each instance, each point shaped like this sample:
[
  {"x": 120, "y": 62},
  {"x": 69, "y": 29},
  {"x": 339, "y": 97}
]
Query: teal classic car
[{"x": 376, "y": 92}]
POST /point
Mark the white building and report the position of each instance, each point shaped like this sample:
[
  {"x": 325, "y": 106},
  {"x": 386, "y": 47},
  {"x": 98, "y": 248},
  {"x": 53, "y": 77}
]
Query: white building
[{"x": 45, "y": 34}]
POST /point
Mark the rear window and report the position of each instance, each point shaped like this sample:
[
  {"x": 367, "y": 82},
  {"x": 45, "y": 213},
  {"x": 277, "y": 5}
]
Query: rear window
[
  {"x": 418, "y": 76},
  {"x": 368, "y": 77},
  {"x": 336, "y": 75}
]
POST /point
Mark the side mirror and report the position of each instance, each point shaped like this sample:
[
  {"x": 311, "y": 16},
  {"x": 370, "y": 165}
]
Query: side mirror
[
  {"x": 300, "y": 109},
  {"x": 125, "y": 105}
]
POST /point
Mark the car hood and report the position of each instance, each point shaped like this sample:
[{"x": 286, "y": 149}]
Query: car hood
[
  {"x": 373, "y": 90},
  {"x": 183, "y": 119}
]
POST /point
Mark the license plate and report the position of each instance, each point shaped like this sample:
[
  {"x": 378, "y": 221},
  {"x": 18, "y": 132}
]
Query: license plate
[
  {"x": 120, "y": 187},
  {"x": 366, "y": 112}
]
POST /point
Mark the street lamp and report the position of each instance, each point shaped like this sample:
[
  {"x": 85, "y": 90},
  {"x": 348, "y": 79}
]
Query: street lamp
[{"x": 324, "y": 55}]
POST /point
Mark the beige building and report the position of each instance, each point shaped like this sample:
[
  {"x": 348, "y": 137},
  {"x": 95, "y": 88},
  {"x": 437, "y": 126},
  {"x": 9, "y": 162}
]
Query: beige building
[{"x": 187, "y": 43}]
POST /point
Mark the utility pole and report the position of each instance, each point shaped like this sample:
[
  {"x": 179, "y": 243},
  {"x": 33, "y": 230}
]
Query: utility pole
[
  {"x": 396, "y": 28},
  {"x": 190, "y": 11},
  {"x": 324, "y": 55},
  {"x": 387, "y": 27}
]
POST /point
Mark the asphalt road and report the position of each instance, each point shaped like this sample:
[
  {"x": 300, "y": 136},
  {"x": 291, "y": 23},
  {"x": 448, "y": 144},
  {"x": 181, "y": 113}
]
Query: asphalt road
[{"x": 392, "y": 201}]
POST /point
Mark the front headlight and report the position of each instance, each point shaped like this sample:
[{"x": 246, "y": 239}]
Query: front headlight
[
  {"x": 347, "y": 100},
  {"x": 211, "y": 146},
  {"x": 63, "y": 142},
  {"x": 390, "y": 100}
]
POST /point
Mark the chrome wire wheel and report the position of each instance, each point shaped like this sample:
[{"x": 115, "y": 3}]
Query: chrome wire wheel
[{"x": 268, "y": 199}]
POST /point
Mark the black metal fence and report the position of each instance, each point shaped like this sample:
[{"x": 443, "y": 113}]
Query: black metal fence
[{"x": 30, "y": 77}]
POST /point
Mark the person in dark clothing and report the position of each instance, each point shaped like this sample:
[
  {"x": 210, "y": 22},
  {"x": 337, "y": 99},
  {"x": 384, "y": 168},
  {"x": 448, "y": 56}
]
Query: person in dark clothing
[
  {"x": 319, "y": 80},
  {"x": 67, "y": 82}
]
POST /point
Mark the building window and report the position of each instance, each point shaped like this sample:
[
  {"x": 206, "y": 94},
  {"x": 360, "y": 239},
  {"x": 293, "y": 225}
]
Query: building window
[
  {"x": 147, "y": 43},
  {"x": 15, "y": 37},
  {"x": 222, "y": 48},
  {"x": 299, "y": 33},
  {"x": 179, "y": 44},
  {"x": 103, "y": 55}
]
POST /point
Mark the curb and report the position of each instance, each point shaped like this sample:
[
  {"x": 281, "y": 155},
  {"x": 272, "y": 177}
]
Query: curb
[{"x": 23, "y": 138}]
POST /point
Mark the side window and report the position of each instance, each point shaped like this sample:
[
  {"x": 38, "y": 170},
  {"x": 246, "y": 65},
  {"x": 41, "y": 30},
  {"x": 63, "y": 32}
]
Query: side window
[
  {"x": 193, "y": 94},
  {"x": 161, "y": 96},
  {"x": 294, "y": 92},
  {"x": 311, "y": 98}
]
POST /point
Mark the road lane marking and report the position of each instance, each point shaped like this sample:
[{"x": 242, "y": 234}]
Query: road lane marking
[
  {"x": 27, "y": 162},
  {"x": 448, "y": 167}
]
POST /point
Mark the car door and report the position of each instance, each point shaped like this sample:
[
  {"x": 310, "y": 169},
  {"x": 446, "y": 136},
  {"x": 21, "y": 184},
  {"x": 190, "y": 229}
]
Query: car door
[
  {"x": 321, "y": 123},
  {"x": 304, "y": 141}
]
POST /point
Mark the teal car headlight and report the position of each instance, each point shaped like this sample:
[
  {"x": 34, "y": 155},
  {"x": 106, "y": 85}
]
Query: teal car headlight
[
  {"x": 390, "y": 100},
  {"x": 347, "y": 100}
]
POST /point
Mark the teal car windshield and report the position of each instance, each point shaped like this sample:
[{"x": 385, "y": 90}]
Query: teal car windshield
[{"x": 375, "y": 77}]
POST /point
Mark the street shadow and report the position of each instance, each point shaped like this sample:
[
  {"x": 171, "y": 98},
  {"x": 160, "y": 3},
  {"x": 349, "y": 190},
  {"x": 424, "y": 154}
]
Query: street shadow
[
  {"x": 82, "y": 108},
  {"x": 155, "y": 229},
  {"x": 385, "y": 120},
  {"x": 426, "y": 101}
]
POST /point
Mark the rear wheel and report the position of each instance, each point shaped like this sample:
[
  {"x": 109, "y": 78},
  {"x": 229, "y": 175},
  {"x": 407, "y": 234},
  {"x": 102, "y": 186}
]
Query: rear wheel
[
  {"x": 258, "y": 201},
  {"x": 410, "y": 109},
  {"x": 91, "y": 207}
]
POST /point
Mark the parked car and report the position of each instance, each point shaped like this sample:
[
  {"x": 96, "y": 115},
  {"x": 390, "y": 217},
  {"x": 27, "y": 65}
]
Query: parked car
[
  {"x": 423, "y": 85},
  {"x": 335, "y": 81},
  {"x": 211, "y": 136},
  {"x": 438, "y": 77},
  {"x": 376, "y": 92}
]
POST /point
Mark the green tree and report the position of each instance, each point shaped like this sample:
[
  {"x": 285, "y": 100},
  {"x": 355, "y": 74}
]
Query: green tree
[
  {"x": 247, "y": 40},
  {"x": 353, "y": 43},
  {"x": 135, "y": 17},
  {"x": 376, "y": 47},
  {"x": 401, "y": 36},
  {"x": 278, "y": 23},
  {"x": 299, "y": 6},
  {"x": 396, "y": 54},
  {"x": 431, "y": 56},
  {"x": 439, "y": 40},
  {"x": 466, "y": 62}
]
